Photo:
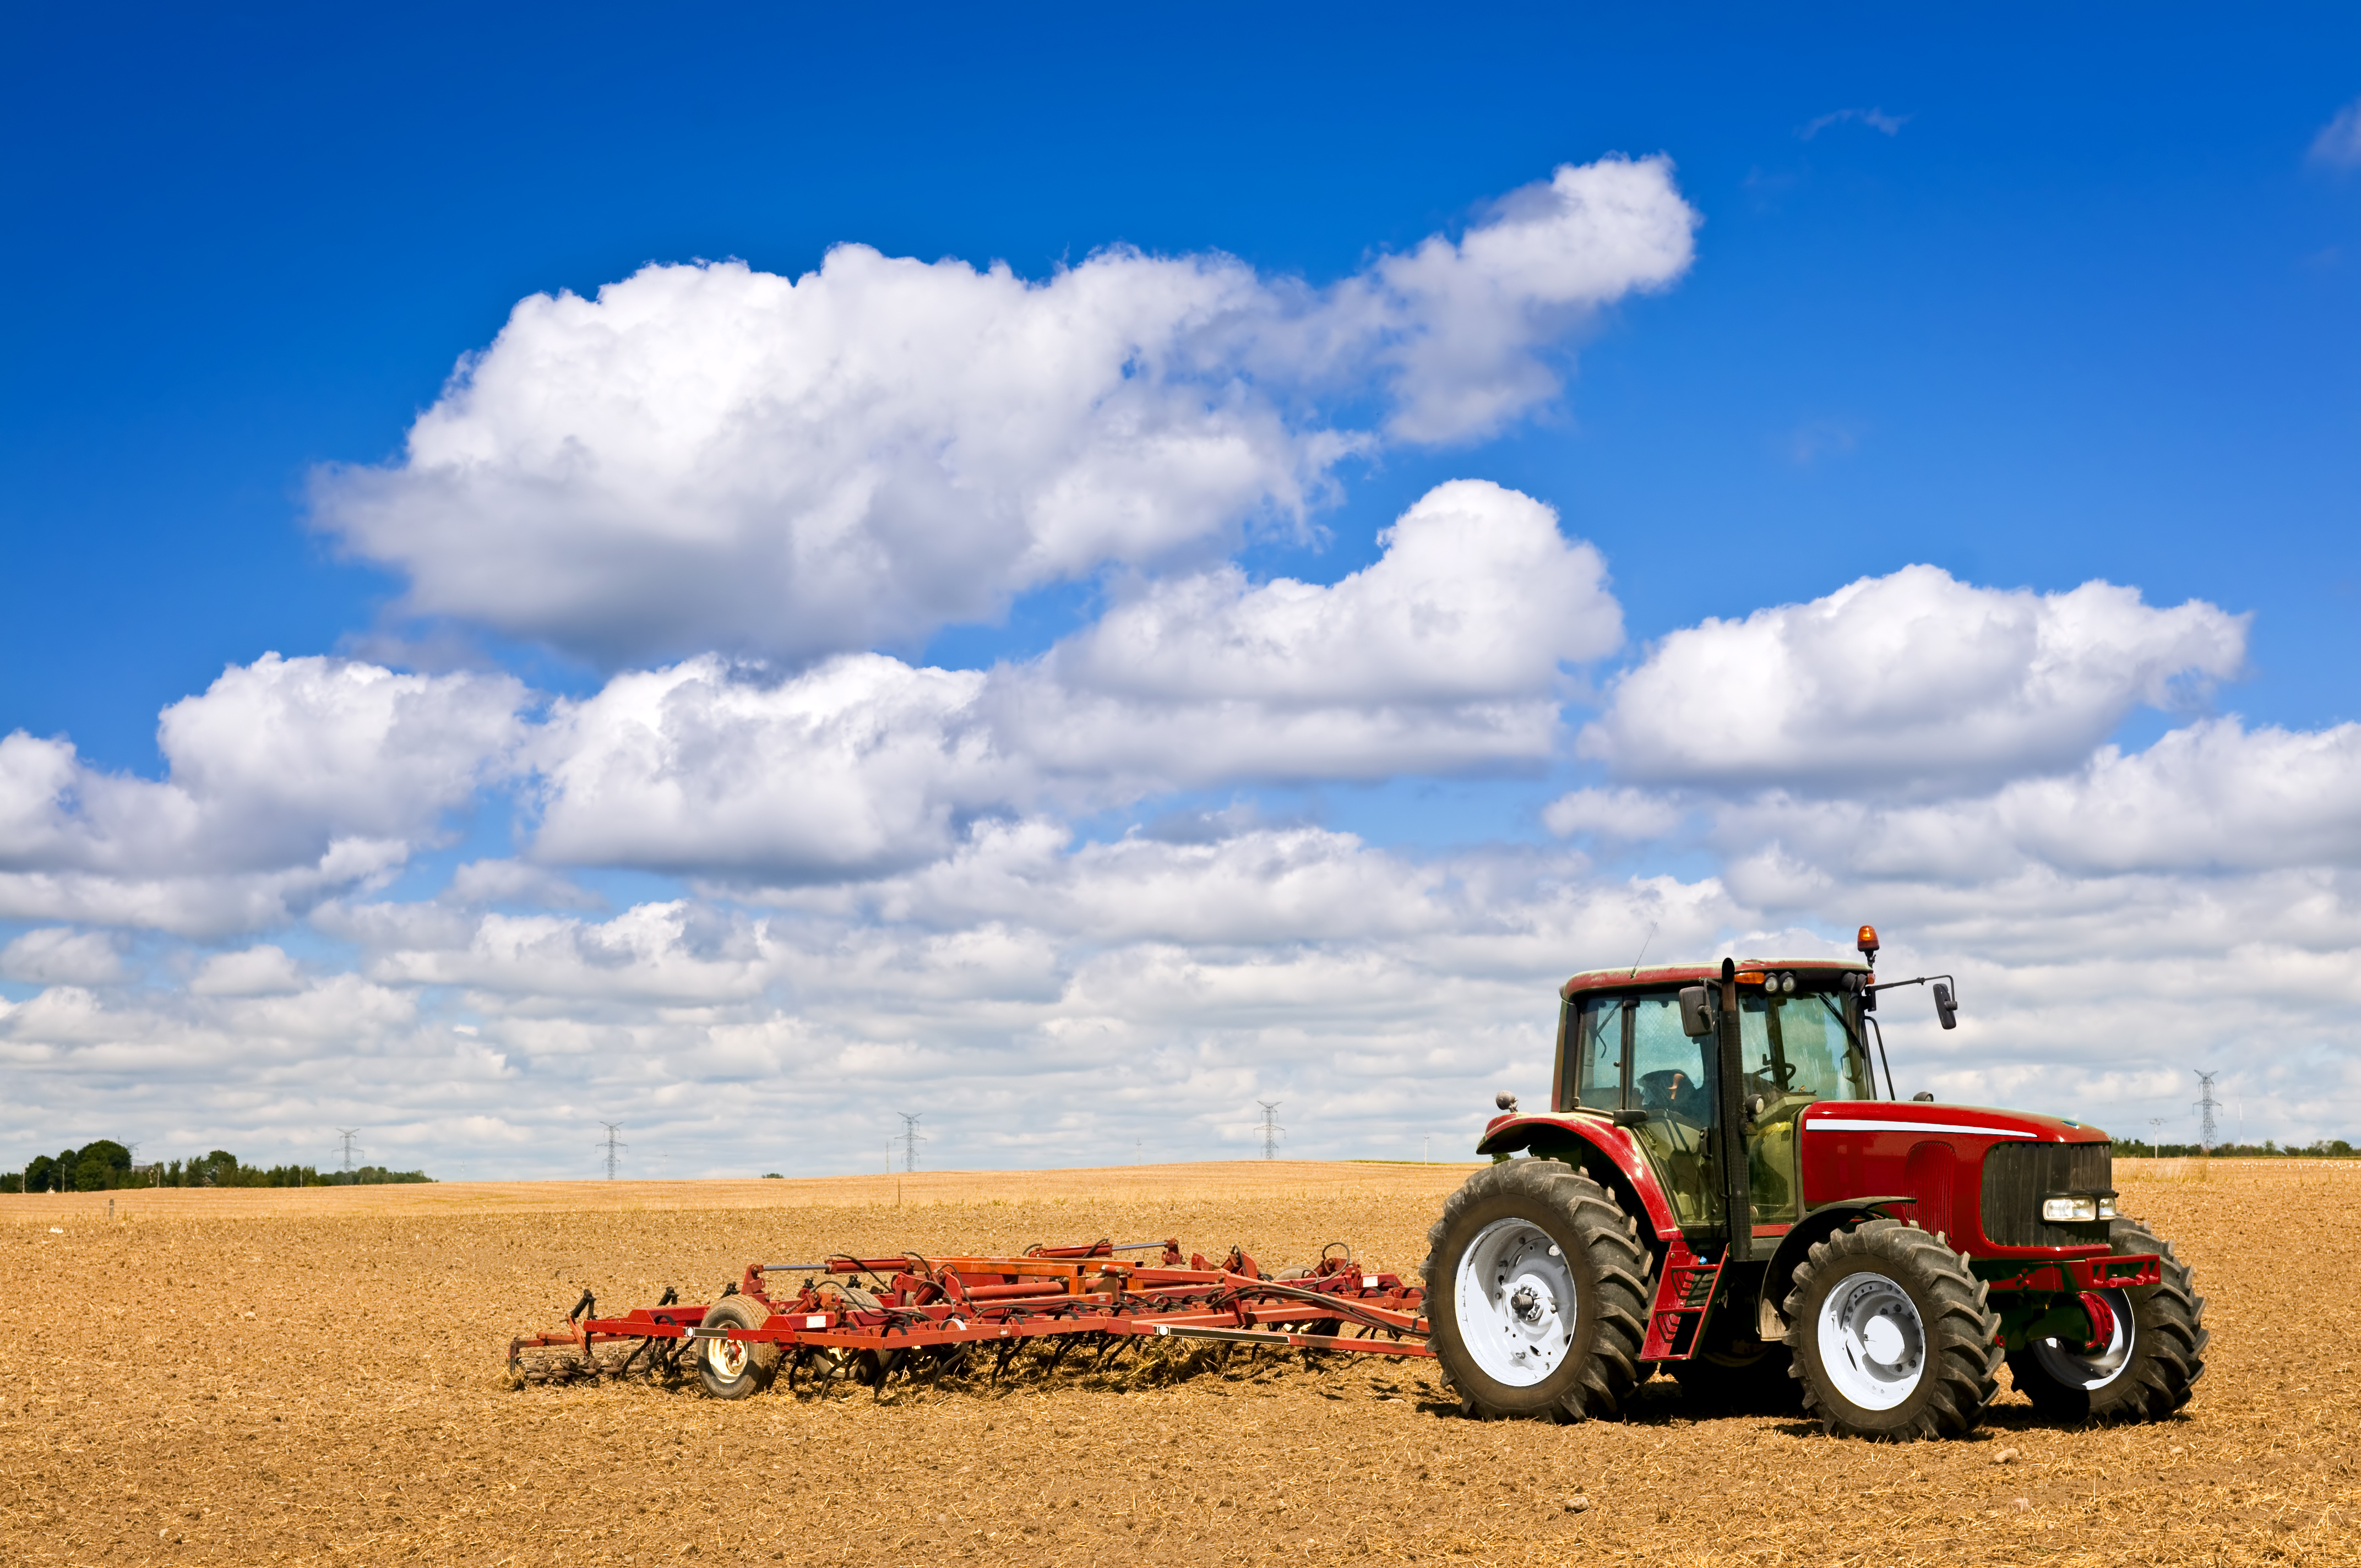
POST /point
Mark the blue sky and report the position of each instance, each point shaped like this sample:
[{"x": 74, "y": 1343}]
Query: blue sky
[{"x": 2031, "y": 298}]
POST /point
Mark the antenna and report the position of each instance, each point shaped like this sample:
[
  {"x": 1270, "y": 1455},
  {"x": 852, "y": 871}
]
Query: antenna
[
  {"x": 2208, "y": 1132},
  {"x": 911, "y": 1139},
  {"x": 614, "y": 1147},
  {"x": 1271, "y": 1128},
  {"x": 348, "y": 1135},
  {"x": 1643, "y": 947}
]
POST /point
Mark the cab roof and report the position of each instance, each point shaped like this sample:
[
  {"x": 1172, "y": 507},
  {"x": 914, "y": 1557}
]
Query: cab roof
[{"x": 1690, "y": 974}]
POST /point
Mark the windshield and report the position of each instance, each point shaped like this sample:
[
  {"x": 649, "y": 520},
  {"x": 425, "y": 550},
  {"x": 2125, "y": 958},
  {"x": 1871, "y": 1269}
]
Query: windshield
[{"x": 1796, "y": 1048}]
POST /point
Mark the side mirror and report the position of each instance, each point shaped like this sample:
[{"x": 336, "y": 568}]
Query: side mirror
[
  {"x": 1945, "y": 1008},
  {"x": 1696, "y": 1011}
]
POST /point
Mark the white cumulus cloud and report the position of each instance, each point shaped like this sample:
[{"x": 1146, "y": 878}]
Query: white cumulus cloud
[
  {"x": 287, "y": 778},
  {"x": 710, "y": 457},
  {"x": 263, "y": 970},
  {"x": 60, "y": 955},
  {"x": 1445, "y": 654},
  {"x": 1913, "y": 683},
  {"x": 1613, "y": 813},
  {"x": 2209, "y": 796}
]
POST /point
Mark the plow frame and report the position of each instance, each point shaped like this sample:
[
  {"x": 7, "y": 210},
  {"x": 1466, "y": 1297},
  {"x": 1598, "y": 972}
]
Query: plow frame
[{"x": 955, "y": 1303}]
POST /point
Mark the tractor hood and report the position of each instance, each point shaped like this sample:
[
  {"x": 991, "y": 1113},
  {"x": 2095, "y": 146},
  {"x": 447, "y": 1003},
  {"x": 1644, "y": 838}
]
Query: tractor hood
[{"x": 1935, "y": 1119}]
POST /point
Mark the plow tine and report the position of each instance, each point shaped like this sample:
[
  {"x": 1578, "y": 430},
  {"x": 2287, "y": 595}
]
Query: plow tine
[{"x": 894, "y": 1363}]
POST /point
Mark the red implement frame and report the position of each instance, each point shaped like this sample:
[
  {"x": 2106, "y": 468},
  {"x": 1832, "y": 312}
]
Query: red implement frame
[{"x": 888, "y": 1306}]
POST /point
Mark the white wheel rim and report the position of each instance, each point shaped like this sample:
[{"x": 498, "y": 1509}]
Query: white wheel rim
[
  {"x": 1516, "y": 1304},
  {"x": 726, "y": 1357},
  {"x": 2079, "y": 1368},
  {"x": 1872, "y": 1341}
]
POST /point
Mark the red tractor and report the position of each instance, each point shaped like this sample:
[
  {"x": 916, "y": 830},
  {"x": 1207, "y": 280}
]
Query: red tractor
[{"x": 1718, "y": 1190}]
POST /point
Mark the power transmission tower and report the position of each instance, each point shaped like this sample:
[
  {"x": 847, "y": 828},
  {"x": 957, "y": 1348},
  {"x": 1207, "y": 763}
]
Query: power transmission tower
[
  {"x": 2208, "y": 1133},
  {"x": 613, "y": 1146},
  {"x": 911, "y": 1139},
  {"x": 348, "y": 1135},
  {"x": 2154, "y": 1131},
  {"x": 1271, "y": 1128}
]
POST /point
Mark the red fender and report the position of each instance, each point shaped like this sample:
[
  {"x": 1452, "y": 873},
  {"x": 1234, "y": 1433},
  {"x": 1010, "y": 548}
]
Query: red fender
[{"x": 1603, "y": 1142}]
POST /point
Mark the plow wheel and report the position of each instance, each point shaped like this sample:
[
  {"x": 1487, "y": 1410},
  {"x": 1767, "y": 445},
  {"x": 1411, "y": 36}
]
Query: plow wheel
[
  {"x": 830, "y": 1367},
  {"x": 1537, "y": 1293},
  {"x": 732, "y": 1369},
  {"x": 1892, "y": 1336},
  {"x": 2147, "y": 1348}
]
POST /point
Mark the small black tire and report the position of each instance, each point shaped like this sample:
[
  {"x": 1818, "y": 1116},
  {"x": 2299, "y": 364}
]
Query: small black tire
[
  {"x": 1542, "y": 1238},
  {"x": 1892, "y": 1338},
  {"x": 733, "y": 1369},
  {"x": 2154, "y": 1355}
]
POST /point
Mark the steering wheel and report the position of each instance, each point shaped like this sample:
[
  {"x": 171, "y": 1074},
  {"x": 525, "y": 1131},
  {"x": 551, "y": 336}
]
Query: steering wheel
[{"x": 1670, "y": 1093}]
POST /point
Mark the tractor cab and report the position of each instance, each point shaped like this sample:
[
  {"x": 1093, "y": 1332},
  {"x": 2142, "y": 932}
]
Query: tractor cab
[{"x": 1640, "y": 1048}]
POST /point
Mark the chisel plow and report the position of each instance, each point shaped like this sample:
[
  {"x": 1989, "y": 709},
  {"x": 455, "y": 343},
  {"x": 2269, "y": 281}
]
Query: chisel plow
[{"x": 914, "y": 1322}]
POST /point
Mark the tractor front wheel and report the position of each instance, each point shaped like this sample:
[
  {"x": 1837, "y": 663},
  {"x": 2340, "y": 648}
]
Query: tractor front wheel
[
  {"x": 1892, "y": 1338},
  {"x": 733, "y": 1369},
  {"x": 2147, "y": 1346},
  {"x": 1537, "y": 1293}
]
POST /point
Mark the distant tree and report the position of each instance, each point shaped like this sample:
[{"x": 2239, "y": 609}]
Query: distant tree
[
  {"x": 41, "y": 1174},
  {"x": 101, "y": 1166},
  {"x": 218, "y": 1169}
]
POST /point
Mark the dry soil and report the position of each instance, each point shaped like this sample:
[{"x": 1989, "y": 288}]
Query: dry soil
[{"x": 308, "y": 1376}]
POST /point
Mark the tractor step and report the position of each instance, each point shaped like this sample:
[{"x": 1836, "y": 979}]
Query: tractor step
[{"x": 1683, "y": 1294}]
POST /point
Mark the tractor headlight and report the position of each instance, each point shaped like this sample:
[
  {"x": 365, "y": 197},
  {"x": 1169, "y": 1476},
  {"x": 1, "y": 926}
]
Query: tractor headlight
[
  {"x": 2066, "y": 1211},
  {"x": 2106, "y": 1208}
]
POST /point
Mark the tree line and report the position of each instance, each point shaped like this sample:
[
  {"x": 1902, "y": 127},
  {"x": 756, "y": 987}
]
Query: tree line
[
  {"x": 2324, "y": 1148},
  {"x": 104, "y": 1165}
]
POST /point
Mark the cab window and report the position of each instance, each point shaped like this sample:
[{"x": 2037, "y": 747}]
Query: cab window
[
  {"x": 1670, "y": 1072},
  {"x": 1597, "y": 1048}
]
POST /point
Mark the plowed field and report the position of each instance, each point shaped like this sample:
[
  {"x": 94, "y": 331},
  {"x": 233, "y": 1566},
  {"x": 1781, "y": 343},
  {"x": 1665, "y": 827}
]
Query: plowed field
[{"x": 315, "y": 1376}]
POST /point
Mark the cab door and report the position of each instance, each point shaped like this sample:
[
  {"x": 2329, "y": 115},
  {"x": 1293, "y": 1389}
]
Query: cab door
[{"x": 1628, "y": 1053}]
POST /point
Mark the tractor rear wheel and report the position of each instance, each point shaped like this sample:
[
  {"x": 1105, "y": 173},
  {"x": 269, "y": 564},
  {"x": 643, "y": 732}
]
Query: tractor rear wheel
[
  {"x": 731, "y": 1369},
  {"x": 1537, "y": 1293},
  {"x": 1892, "y": 1338},
  {"x": 2147, "y": 1349}
]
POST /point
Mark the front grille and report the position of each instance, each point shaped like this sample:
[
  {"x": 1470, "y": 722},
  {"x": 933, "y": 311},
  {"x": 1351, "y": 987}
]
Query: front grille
[{"x": 2016, "y": 1178}]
